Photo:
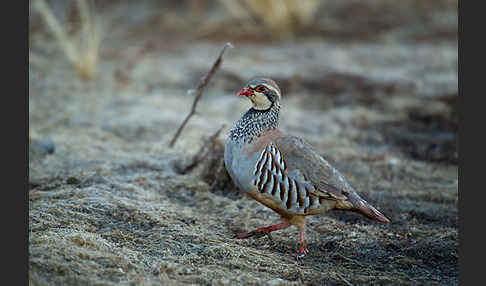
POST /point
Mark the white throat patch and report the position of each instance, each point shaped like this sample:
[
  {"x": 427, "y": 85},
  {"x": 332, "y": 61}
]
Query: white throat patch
[{"x": 260, "y": 101}]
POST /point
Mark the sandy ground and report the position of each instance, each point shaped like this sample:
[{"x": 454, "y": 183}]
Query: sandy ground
[{"x": 111, "y": 204}]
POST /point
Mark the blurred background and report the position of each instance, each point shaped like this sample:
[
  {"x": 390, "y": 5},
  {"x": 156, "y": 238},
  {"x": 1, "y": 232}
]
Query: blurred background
[
  {"x": 371, "y": 84},
  {"x": 329, "y": 53}
]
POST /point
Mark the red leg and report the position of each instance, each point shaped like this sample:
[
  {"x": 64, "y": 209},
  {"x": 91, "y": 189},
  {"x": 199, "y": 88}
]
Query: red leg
[
  {"x": 262, "y": 231},
  {"x": 303, "y": 244}
]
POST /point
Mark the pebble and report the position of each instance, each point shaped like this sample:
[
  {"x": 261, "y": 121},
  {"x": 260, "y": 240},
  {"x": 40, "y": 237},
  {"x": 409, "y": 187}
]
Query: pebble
[{"x": 41, "y": 147}]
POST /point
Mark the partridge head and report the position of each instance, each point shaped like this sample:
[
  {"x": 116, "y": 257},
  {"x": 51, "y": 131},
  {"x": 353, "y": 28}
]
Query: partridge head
[{"x": 283, "y": 172}]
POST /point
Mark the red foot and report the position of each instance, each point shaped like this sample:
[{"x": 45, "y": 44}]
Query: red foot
[{"x": 303, "y": 244}]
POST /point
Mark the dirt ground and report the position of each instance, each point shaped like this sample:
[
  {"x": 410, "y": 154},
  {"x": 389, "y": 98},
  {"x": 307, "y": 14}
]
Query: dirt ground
[{"x": 372, "y": 86}]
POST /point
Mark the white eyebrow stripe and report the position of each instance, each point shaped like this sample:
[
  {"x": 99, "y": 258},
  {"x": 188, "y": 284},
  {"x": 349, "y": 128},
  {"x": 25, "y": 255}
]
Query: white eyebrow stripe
[{"x": 271, "y": 88}]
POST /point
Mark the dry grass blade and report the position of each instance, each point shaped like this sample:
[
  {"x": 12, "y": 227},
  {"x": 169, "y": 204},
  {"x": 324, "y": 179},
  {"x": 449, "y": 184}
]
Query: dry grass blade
[
  {"x": 82, "y": 53},
  {"x": 202, "y": 84},
  {"x": 237, "y": 10},
  {"x": 343, "y": 279},
  {"x": 350, "y": 260},
  {"x": 91, "y": 35},
  {"x": 278, "y": 18},
  {"x": 56, "y": 28}
]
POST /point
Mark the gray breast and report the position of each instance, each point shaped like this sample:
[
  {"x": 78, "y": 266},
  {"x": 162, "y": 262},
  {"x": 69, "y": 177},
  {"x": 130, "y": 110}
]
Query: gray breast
[{"x": 239, "y": 164}]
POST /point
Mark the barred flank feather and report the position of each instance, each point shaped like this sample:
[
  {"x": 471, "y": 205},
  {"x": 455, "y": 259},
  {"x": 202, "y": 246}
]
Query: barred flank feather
[{"x": 271, "y": 177}]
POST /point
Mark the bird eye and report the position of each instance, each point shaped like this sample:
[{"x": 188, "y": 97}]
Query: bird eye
[{"x": 261, "y": 88}]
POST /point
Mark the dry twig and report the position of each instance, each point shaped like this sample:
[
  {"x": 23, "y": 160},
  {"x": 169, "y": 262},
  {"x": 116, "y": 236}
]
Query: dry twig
[
  {"x": 202, "y": 154},
  {"x": 343, "y": 279},
  {"x": 350, "y": 260},
  {"x": 202, "y": 84}
]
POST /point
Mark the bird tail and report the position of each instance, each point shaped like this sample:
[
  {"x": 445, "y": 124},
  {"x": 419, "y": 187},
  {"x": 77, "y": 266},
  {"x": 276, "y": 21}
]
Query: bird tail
[{"x": 363, "y": 207}]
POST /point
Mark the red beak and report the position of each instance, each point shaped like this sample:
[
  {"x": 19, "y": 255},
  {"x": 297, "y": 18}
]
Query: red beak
[{"x": 245, "y": 91}]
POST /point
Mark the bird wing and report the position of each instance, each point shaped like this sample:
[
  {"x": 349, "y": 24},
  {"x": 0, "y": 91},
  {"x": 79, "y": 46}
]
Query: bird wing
[
  {"x": 303, "y": 158},
  {"x": 293, "y": 169}
]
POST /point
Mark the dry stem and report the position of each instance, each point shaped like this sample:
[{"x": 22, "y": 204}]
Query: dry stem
[
  {"x": 343, "y": 279},
  {"x": 202, "y": 84}
]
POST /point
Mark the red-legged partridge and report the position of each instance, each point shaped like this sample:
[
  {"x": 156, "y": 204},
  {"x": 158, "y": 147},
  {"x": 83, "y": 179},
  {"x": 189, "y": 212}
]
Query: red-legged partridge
[{"x": 284, "y": 172}]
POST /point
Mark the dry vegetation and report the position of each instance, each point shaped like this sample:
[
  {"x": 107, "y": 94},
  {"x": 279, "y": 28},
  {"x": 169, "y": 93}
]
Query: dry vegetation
[
  {"x": 279, "y": 18},
  {"x": 371, "y": 85},
  {"x": 82, "y": 49}
]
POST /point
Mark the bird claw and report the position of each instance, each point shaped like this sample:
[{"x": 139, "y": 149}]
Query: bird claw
[
  {"x": 241, "y": 235},
  {"x": 302, "y": 253},
  {"x": 300, "y": 256}
]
